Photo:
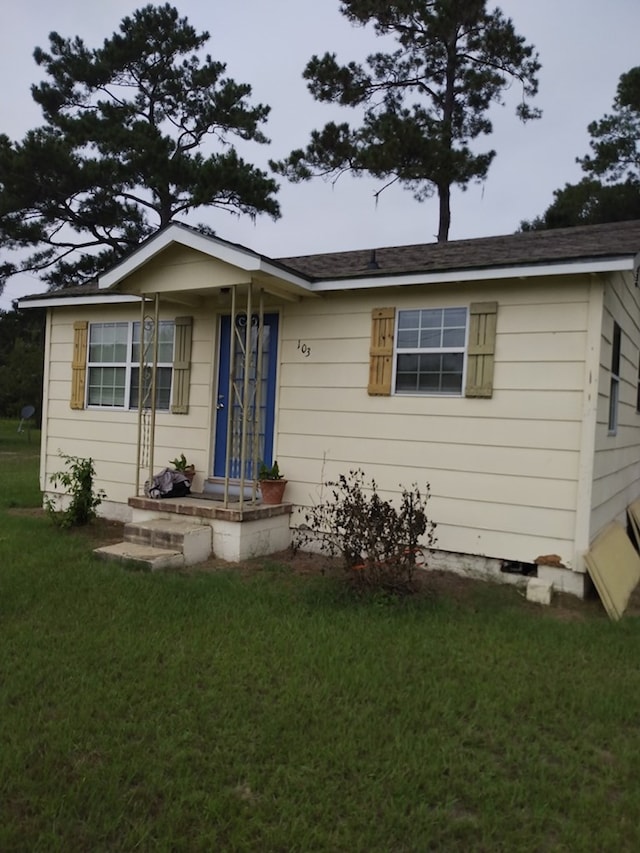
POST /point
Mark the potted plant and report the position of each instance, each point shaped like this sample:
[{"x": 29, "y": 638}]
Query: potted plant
[
  {"x": 180, "y": 464},
  {"x": 272, "y": 483}
]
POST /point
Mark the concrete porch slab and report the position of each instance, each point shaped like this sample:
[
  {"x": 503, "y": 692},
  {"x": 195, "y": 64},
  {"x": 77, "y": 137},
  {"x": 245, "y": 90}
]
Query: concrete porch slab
[{"x": 145, "y": 556}]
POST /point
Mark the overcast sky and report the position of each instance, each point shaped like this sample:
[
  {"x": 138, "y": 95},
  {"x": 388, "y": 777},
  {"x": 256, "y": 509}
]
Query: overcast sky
[{"x": 584, "y": 46}]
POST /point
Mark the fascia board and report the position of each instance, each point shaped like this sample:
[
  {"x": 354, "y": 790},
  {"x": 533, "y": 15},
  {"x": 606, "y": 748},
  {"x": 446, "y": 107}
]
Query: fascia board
[
  {"x": 286, "y": 275},
  {"x": 474, "y": 275},
  {"x": 65, "y": 301},
  {"x": 233, "y": 255},
  {"x": 175, "y": 234}
]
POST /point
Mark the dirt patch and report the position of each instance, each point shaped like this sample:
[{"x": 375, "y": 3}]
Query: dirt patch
[
  {"x": 428, "y": 582},
  {"x": 100, "y": 531},
  {"x": 440, "y": 584},
  {"x": 28, "y": 511}
]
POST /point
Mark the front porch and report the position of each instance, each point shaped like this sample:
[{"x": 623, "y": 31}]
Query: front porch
[
  {"x": 238, "y": 532},
  {"x": 177, "y": 532}
]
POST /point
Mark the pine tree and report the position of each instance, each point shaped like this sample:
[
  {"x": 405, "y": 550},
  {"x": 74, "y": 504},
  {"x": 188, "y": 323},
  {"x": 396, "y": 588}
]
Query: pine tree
[
  {"x": 611, "y": 190},
  {"x": 424, "y": 103},
  {"x": 137, "y": 132}
]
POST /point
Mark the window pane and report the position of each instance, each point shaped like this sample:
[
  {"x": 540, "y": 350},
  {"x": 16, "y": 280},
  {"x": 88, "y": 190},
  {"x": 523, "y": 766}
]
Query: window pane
[
  {"x": 453, "y": 338},
  {"x": 451, "y": 383},
  {"x": 165, "y": 342},
  {"x": 163, "y": 388},
  {"x": 431, "y": 319},
  {"x": 614, "y": 389},
  {"x": 429, "y": 376},
  {"x": 455, "y": 317},
  {"x": 429, "y": 383},
  {"x": 406, "y": 375},
  {"x": 408, "y": 319},
  {"x": 408, "y": 363},
  {"x": 406, "y": 382},
  {"x": 408, "y": 339},
  {"x": 430, "y": 362},
  {"x": 431, "y": 338},
  {"x": 615, "y": 350},
  {"x": 108, "y": 342},
  {"x": 106, "y": 386},
  {"x": 452, "y": 362}
]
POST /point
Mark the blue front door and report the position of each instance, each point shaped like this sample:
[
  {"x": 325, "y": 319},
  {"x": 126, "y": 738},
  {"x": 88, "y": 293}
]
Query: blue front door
[{"x": 246, "y": 335}]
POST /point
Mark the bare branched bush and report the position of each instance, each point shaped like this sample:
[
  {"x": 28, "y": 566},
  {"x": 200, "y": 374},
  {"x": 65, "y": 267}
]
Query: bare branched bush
[{"x": 381, "y": 546}]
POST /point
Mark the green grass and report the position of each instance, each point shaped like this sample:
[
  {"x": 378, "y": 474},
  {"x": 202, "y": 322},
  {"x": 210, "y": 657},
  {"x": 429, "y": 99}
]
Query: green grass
[
  {"x": 216, "y": 712},
  {"x": 19, "y": 463}
]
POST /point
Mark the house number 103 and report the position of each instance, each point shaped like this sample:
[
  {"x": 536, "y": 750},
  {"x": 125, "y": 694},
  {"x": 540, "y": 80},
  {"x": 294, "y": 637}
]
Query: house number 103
[{"x": 305, "y": 349}]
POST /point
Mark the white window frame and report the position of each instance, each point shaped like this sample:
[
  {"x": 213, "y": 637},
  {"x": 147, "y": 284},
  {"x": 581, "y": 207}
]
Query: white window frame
[
  {"x": 430, "y": 350},
  {"x": 128, "y": 366}
]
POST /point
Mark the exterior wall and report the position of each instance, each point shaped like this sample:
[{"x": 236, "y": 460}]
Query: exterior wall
[
  {"x": 109, "y": 437},
  {"x": 616, "y": 480},
  {"x": 511, "y": 476},
  {"x": 504, "y": 471}
]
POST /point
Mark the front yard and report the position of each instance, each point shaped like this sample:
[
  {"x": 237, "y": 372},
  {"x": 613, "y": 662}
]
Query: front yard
[{"x": 263, "y": 709}]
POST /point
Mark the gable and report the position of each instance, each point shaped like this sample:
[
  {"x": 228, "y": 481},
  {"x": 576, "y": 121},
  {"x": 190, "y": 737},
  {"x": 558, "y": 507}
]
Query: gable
[{"x": 181, "y": 268}]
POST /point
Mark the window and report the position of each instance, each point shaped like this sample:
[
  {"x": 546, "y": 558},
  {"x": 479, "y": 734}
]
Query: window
[
  {"x": 114, "y": 365},
  {"x": 614, "y": 388},
  {"x": 430, "y": 346},
  {"x": 430, "y": 351}
]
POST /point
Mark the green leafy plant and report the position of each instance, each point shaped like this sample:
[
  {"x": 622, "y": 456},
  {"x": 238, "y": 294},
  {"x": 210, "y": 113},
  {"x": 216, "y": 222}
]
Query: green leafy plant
[
  {"x": 180, "y": 463},
  {"x": 381, "y": 546},
  {"x": 269, "y": 472},
  {"x": 77, "y": 479}
]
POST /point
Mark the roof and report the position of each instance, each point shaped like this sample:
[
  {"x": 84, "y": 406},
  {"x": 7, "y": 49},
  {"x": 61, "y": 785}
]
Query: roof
[
  {"x": 531, "y": 249},
  {"x": 559, "y": 245}
]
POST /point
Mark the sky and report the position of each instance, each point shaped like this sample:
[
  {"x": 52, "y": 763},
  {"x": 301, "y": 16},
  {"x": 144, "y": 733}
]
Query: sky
[{"x": 584, "y": 46}]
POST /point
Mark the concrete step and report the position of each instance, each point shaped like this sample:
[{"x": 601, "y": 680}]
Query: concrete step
[
  {"x": 191, "y": 540},
  {"x": 145, "y": 556}
]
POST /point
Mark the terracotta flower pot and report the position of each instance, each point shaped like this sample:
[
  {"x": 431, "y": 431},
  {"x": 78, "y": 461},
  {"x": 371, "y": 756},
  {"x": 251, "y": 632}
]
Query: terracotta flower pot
[{"x": 272, "y": 491}]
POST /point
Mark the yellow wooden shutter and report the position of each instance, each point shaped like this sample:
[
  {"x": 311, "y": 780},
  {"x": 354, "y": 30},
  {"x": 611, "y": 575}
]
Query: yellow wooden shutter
[
  {"x": 481, "y": 350},
  {"x": 182, "y": 365},
  {"x": 381, "y": 351},
  {"x": 79, "y": 364}
]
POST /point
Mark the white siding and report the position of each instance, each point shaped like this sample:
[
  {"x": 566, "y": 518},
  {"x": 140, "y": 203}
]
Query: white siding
[
  {"x": 503, "y": 471},
  {"x": 109, "y": 437},
  {"x": 616, "y": 481},
  {"x": 511, "y": 476}
]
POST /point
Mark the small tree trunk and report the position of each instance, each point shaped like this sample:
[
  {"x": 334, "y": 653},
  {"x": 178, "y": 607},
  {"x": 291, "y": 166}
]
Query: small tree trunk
[{"x": 444, "y": 198}]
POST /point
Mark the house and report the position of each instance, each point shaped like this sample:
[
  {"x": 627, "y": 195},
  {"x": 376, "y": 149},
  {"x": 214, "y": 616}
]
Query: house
[{"x": 504, "y": 371}]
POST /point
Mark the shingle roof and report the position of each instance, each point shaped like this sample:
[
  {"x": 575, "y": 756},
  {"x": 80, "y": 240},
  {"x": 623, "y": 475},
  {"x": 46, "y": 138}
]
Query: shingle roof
[
  {"x": 532, "y": 247},
  {"x": 561, "y": 245}
]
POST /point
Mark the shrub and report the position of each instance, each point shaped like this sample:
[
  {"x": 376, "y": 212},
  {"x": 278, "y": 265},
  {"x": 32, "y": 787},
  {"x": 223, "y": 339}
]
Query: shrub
[
  {"x": 78, "y": 480},
  {"x": 380, "y": 545}
]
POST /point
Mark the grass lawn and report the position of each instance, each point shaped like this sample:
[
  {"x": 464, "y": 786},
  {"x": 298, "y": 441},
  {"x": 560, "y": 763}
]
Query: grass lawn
[{"x": 264, "y": 710}]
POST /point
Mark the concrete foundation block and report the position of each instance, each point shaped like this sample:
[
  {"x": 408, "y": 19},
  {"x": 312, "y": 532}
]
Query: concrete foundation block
[
  {"x": 564, "y": 580},
  {"x": 235, "y": 542},
  {"x": 539, "y": 591}
]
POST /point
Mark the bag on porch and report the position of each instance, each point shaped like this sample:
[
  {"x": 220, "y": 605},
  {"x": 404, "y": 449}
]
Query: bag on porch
[{"x": 167, "y": 484}]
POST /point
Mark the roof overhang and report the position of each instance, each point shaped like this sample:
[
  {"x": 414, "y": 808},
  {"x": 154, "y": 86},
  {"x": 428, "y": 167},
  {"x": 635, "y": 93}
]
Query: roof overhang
[
  {"x": 66, "y": 301},
  {"x": 251, "y": 262},
  {"x": 586, "y": 267}
]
